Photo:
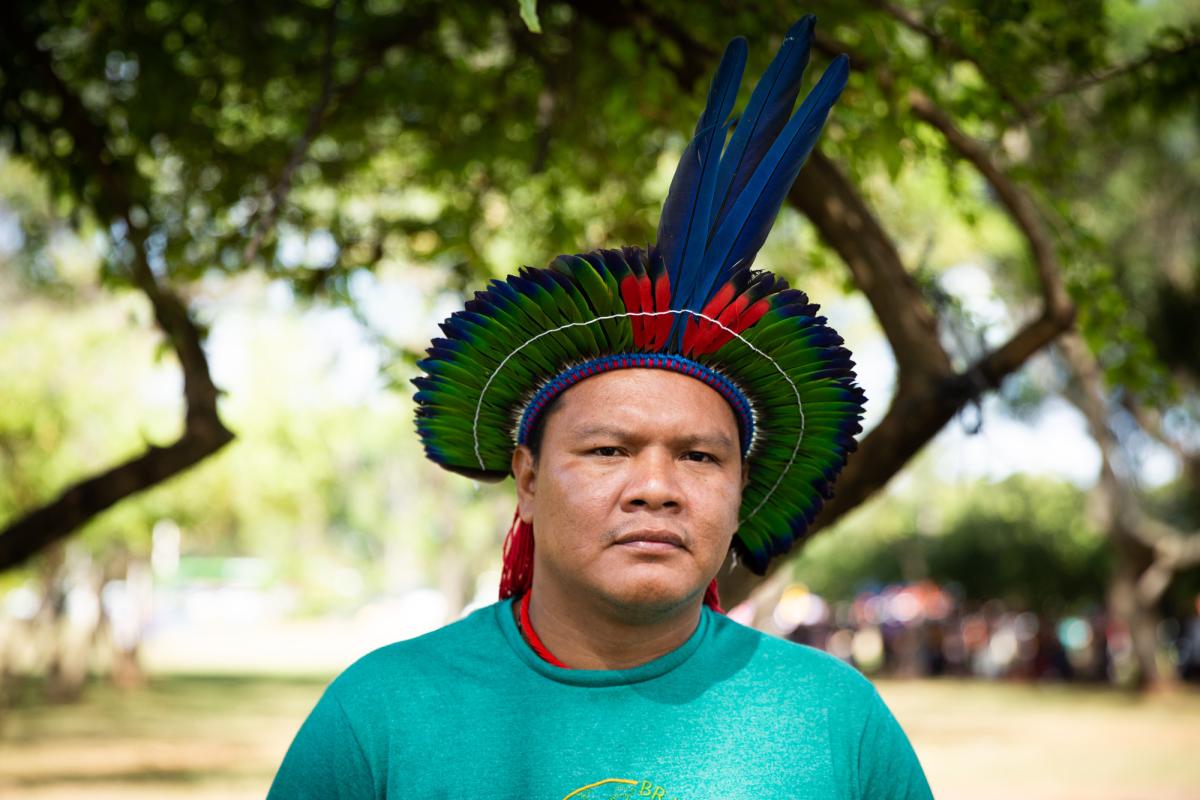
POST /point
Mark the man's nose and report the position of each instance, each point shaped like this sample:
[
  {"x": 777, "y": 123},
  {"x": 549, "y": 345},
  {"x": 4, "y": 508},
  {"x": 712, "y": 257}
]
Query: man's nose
[{"x": 652, "y": 483}]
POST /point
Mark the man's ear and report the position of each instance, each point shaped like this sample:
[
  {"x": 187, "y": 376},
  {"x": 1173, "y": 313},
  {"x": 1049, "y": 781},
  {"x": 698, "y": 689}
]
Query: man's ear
[
  {"x": 524, "y": 469},
  {"x": 745, "y": 472}
]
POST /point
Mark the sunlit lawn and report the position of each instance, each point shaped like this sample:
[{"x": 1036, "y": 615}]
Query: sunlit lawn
[
  {"x": 985, "y": 741},
  {"x": 222, "y": 737}
]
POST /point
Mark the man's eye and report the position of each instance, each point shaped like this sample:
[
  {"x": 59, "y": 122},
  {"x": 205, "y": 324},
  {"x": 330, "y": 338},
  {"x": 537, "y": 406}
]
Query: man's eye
[
  {"x": 696, "y": 455},
  {"x": 605, "y": 451}
]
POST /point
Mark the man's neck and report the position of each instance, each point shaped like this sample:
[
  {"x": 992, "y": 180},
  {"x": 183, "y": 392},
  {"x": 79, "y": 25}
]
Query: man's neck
[{"x": 585, "y": 638}]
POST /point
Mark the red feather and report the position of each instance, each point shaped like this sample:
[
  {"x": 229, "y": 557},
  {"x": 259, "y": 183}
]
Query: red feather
[
  {"x": 662, "y": 302},
  {"x": 631, "y": 294},
  {"x": 648, "y": 327},
  {"x": 737, "y": 321},
  {"x": 700, "y": 330}
]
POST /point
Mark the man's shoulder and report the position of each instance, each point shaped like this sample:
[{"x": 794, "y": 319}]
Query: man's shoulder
[
  {"x": 805, "y": 666},
  {"x": 459, "y": 644}
]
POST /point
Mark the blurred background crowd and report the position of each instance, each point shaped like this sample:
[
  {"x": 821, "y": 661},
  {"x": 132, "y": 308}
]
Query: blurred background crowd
[{"x": 922, "y": 630}]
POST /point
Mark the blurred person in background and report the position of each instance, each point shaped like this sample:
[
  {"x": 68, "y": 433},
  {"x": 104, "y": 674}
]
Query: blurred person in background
[{"x": 1189, "y": 648}]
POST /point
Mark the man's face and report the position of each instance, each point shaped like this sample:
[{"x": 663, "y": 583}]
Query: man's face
[{"x": 634, "y": 497}]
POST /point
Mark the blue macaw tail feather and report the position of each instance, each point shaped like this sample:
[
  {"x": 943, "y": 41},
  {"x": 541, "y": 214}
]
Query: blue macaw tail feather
[
  {"x": 745, "y": 226},
  {"x": 766, "y": 113},
  {"x": 686, "y": 220},
  {"x": 724, "y": 199}
]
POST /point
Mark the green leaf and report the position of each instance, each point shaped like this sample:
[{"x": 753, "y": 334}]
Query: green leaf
[{"x": 530, "y": 16}]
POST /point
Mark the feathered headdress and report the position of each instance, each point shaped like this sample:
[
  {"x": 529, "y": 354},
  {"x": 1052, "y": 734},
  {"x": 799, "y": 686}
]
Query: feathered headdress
[{"x": 691, "y": 304}]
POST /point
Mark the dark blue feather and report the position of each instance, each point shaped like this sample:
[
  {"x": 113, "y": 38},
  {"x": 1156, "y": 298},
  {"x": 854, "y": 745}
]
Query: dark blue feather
[
  {"x": 686, "y": 218},
  {"x": 752, "y": 213},
  {"x": 767, "y": 112}
]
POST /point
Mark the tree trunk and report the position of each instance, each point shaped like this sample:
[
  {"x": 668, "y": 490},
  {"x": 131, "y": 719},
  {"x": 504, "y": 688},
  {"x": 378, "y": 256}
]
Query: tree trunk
[
  {"x": 1136, "y": 537},
  {"x": 1128, "y": 607}
]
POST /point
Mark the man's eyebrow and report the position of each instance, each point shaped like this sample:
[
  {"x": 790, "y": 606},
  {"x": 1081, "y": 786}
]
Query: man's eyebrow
[
  {"x": 709, "y": 440},
  {"x": 588, "y": 431}
]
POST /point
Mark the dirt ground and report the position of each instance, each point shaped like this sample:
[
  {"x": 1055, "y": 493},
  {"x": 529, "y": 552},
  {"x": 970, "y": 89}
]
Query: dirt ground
[{"x": 222, "y": 737}]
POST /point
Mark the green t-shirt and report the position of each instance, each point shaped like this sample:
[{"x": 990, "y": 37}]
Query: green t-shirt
[{"x": 470, "y": 711}]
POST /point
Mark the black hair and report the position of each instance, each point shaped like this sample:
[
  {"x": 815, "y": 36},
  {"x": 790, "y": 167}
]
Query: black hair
[{"x": 534, "y": 440}]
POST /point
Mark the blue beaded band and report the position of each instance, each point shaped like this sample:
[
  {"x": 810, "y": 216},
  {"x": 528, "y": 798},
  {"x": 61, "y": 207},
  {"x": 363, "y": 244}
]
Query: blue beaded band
[{"x": 685, "y": 366}]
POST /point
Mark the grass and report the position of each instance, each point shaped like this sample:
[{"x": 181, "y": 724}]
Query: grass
[
  {"x": 983, "y": 741},
  {"x": 180, "y": 736},
  {"x": 206, "y": 737}
]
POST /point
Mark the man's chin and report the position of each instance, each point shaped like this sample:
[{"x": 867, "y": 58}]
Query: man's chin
[{"x": 653, "y": 596}]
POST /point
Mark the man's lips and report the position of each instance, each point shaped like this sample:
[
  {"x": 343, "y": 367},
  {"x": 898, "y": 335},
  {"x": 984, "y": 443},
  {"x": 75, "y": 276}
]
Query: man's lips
[{"x": 651, "y": 541}]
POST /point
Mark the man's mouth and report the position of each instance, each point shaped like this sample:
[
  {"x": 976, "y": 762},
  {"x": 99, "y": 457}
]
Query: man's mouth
[{"x": 651, "y": 541}]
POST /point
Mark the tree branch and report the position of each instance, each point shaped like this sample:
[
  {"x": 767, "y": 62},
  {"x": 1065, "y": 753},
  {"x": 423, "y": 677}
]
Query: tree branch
[
  {"x": 82, "y": 501},
  {"x": 928, "y": 394},
  {"x": 824, "y": 195},
  {"x": 941, "y": 43},
  {"x": 1150, "y": 420},
  {"x": 1015, "y": 201},
  {"x": 1057, "y": 311},
  {"x": 1116, "y": 71},
  {"x": 265, "y": 223},
  {"x": 1172, "y": 548},
  {"x": 204, "y": 433},
  {"x": 330, "y": 96},
  {"x": 690, "y": 70}
]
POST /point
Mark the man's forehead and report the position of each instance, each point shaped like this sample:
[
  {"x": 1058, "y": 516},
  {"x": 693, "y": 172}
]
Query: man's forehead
[{"x": 625, "y": 399}]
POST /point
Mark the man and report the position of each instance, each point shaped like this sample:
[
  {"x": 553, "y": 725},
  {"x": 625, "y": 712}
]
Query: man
[{"x": 656, "y": 409}]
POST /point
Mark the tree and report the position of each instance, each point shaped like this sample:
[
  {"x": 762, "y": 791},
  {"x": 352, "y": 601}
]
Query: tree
[
  {"x": 1137, "y": 142},
  {"x": 1021, "y": 540},
  {"x": 198, "y": 136}
]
